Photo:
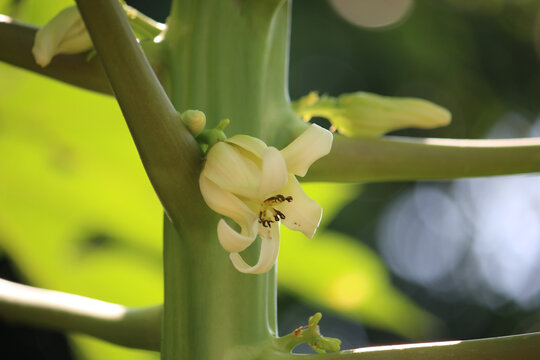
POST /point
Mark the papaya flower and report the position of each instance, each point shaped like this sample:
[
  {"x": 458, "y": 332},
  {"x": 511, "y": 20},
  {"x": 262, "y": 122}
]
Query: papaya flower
[
  {"x": 255, "y": 186},
  {"x": 63, "y": 34},
  {"x": 366, "y": 115}
]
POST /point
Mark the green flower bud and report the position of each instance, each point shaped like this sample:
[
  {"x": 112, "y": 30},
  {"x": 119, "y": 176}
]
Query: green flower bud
[
  {"x": 323, "y": 344},
  {"x": 332, "y": 344},
  {"x": 209, "y": 137},
  {"x": 195, "y": 121},
  {"x": 368, "y": 115},
  {"x": 311, "y": 334},
  {"x": 314, "y": 319}
]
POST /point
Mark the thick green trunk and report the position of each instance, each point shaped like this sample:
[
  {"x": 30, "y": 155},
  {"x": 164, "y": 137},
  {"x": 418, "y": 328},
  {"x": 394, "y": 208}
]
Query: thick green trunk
[
  {"x": 227, "y": 58},
  {"x": 211, "y": 310}
]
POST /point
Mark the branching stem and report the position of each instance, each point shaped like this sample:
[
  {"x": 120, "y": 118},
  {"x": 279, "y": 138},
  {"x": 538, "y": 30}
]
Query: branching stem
[
  {"x": 168, "y": 151},
  {"x": 523, "y": 346},
  {"x": 132, "y": 327},
  {"x": 396, "y": 159},
  {"x": 16, "y": 43}
]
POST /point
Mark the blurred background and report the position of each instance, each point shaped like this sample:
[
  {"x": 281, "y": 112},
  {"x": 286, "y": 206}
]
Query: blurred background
[{"x": 391, "y": 263}]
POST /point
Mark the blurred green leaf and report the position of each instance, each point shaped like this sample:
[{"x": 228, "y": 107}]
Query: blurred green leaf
[
  {"x": 332, "y": 197},
  {"x": 77, "y": 212},
  {"x": 63, "y": 150},
  {"x": 340, "y": 274},
  {"x": 33, "y": 11}
]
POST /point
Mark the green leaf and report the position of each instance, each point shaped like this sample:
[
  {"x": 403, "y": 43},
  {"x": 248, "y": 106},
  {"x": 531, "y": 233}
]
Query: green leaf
[{"x": 70, "y": 182}]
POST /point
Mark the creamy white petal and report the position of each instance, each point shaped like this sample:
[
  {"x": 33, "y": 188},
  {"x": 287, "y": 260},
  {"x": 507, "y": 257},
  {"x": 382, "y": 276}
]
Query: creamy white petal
[
  {"x": 78, "y": 41},
  {"x": 231, "y": 240},
  {"x": 314, "y": 143},
  {"x": 65, "y": 33},
  {"x": 227, "y": 204},
  {"x": 249, "y": 143},
  {"x": 269, "y": 252},
  {"x": 302, "y": 213},
  {"x": 232, "y": 171},
  {"x": 274, "y": 172}
]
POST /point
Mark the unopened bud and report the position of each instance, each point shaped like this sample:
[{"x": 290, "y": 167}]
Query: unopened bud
[
  {"x": 368, "y": 115},
  {"x": 63, "y": 34},
  {"x": 195, "y": 121},
  {"x": 323, "y": 344}
]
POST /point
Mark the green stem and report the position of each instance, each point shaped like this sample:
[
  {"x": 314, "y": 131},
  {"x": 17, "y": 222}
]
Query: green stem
[
  {"x": 212, "y": 311},
  {"x": 132, "y": 327},
  {"x": 169, "y": 153},
  {"x": 310, "y": 334},
  {"x": 394, "y": 158},
  {"x": 16, "y": 43},
  {"x": 143, "y": 26},
  {"x": 525, "y": 346},
  {"x": 227, "y": 58}
]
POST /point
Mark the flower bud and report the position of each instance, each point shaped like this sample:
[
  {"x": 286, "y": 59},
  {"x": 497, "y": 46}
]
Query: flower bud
[
  {"x": 63, "y": 34},
  {"x": 368, "y": 115},
  {"x": 195, "y": 121}
]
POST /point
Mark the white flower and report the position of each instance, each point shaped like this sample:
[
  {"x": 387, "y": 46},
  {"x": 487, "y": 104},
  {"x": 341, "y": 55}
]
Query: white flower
[
  {"x": 255, "y": 186},
  {"x": 63, "y": 34}
]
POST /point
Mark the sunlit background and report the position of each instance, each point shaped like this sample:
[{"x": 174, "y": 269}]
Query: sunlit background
[{"x": 392, "y": 262}]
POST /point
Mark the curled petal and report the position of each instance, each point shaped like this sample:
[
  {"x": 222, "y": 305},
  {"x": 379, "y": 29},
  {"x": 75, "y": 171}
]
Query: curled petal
[
  {"x": 76, "y": 41},
  {"x": 65, "y": 33},
  {"x": 269, "y": 252},
  {"x": 231, "y": 240},
  {"x": 314, "y": 143},
  {"x": 232, "y": 171},
  {"x": 274, "y": 172},
  {"x": 302, "y": 213},
  {"x": 249, "y": 143},
  {"x": 227, "y": 204}
]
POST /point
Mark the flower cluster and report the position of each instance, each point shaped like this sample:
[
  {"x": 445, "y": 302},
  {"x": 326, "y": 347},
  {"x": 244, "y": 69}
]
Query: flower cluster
[{"x": 255, "y": 186}]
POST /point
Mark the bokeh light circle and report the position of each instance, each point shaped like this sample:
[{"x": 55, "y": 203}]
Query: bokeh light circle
[{"x": 372, "y": 13}]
